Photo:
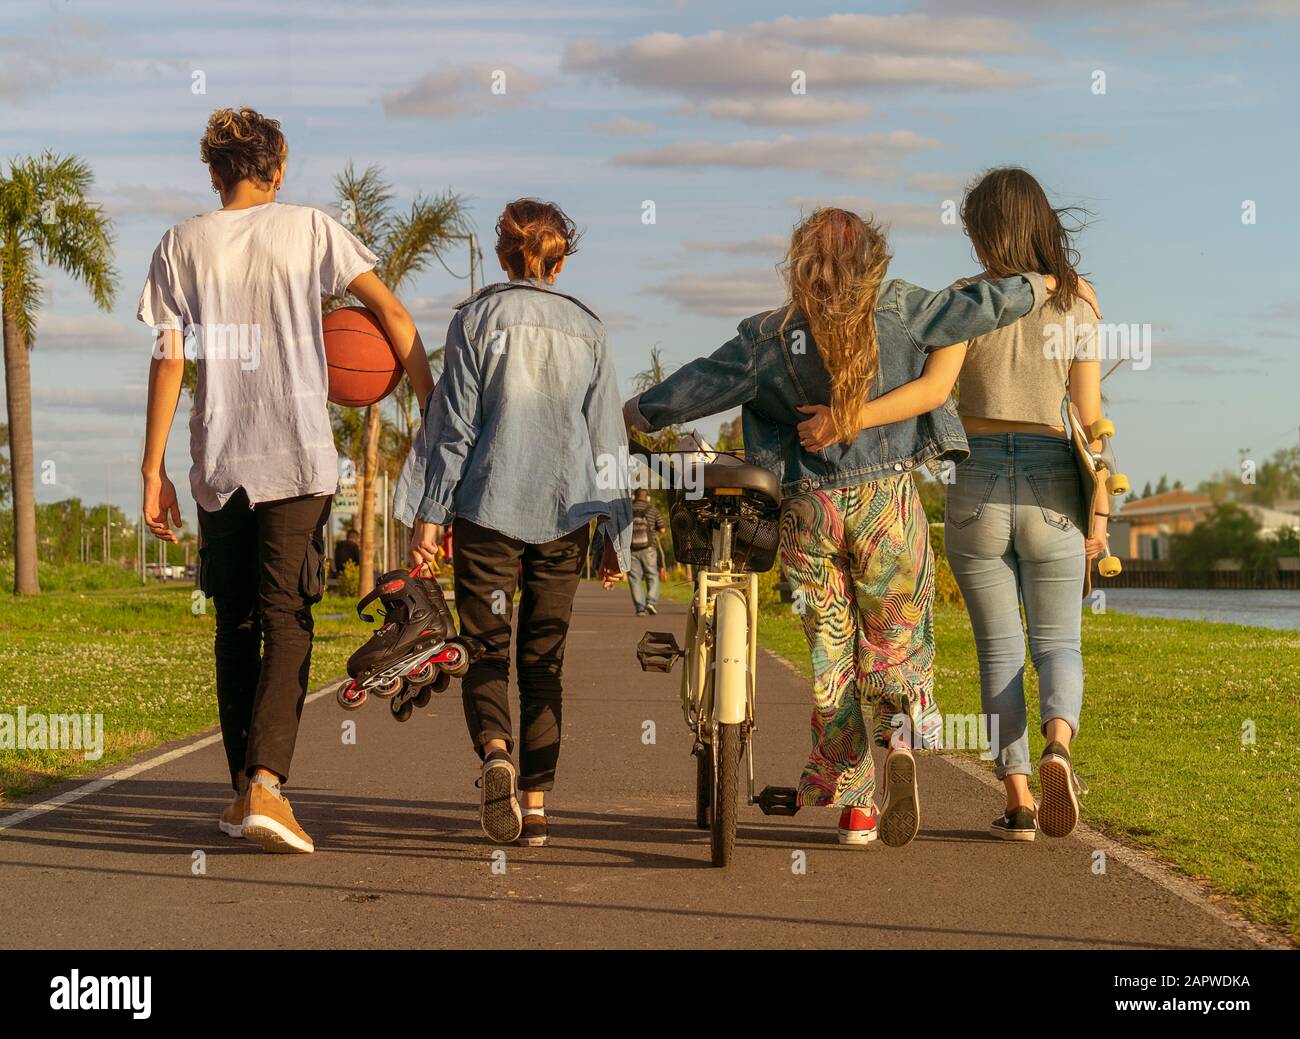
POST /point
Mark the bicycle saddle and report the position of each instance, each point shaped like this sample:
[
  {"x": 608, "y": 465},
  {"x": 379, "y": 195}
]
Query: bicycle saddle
[{"x": 741, "y": 476}]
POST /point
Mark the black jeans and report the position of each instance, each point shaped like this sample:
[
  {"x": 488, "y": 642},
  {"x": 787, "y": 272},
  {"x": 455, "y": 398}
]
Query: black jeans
[
  {"x": 489, "y": 566},
  {"x": 264, "y": 567}
]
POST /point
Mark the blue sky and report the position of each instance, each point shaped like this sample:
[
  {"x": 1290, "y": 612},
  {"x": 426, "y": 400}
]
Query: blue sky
[{"x": 690, "y": 106}]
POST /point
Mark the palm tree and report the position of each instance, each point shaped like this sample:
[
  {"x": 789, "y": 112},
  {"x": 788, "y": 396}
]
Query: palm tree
[
  {"x": 45, "y": 219},
  {"x": 405, "y": 243}
]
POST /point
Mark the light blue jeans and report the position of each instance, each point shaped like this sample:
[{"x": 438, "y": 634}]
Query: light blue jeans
[
  {"x": 1012, "y": 532},
  {"x": 644, "y": 572}
]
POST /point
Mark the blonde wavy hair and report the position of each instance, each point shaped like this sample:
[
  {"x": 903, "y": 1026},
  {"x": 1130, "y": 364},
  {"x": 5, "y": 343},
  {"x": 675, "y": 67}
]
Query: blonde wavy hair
[
  {"x": 242, "y": 144},
  {"x": 833, "y": 271}
]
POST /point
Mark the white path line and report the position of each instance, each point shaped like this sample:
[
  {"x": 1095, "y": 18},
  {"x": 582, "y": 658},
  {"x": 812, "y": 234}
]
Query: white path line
[
  {"x": 1142, "y": 862},
  {"x": 104, "y": 782}
]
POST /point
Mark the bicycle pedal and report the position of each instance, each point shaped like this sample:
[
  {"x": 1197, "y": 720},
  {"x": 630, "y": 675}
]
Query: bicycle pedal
[
  {"x": 778, "y": 800},
  {"x": 658, "y": 651}
]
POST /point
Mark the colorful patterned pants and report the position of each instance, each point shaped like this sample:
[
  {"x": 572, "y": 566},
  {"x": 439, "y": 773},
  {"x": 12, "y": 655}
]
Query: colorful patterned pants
[{"x": 859, "y": 561}]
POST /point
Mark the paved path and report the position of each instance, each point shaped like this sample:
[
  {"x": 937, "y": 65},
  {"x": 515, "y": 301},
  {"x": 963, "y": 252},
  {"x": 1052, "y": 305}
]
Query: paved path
[{"x": 401, "y": 862}]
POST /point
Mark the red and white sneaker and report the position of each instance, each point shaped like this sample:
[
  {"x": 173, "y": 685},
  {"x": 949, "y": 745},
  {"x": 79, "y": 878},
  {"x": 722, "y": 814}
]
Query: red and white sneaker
[{"x": 857, "y": 825}]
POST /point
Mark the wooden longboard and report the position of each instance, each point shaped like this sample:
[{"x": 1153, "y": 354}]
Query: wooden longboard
[{"x": 1098, "y": 479}]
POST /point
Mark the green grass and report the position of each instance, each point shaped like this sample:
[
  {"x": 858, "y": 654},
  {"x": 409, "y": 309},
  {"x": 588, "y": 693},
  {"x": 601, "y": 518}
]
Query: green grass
[
  {"x": 138, "y": 656},
  {"x": 1161, "y": 741}
]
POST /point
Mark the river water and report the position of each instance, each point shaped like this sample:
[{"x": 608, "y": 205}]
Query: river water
[{"x": 1261, "y": 609}]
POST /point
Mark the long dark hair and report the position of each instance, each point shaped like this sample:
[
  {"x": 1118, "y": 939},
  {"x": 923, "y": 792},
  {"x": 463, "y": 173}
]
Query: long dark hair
[{"x": 1016, "y": 229}]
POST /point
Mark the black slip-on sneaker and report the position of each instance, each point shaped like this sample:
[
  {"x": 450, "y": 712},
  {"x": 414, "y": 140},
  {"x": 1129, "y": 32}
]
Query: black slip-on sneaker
[
  {"x": 535, "y": 833},
  {"x": 1058, "y": 809},
  {"x": 1016, "y": 825},
  {"x": 499, "y": 812}
]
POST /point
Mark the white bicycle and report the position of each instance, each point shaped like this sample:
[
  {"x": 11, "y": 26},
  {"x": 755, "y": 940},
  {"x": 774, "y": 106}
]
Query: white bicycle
[{"x": 729, "y": 534}]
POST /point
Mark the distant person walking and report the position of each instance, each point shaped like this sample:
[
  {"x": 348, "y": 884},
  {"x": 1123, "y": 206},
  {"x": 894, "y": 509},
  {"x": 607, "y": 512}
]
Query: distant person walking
[
  {"x": 348, "y": 551},
  {"x": 647, "y": 554}
]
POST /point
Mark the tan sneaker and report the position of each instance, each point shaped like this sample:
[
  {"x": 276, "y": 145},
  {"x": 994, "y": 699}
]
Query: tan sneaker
[
  {"x": 232, "y": 816},
  {"x": 271, "y": 824}
]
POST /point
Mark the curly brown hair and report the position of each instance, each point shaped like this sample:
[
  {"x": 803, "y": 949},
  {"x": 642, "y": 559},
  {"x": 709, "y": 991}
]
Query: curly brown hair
[
  {"x": 241, "y": 144},
  {"x": 833, "y": 271}
]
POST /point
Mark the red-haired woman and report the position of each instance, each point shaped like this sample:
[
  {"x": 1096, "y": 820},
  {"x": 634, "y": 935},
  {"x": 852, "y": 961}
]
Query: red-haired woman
[{"x": 525, "y": 417}]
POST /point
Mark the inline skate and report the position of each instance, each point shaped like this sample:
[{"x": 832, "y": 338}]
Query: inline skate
[{"x": 413, "y": 654}]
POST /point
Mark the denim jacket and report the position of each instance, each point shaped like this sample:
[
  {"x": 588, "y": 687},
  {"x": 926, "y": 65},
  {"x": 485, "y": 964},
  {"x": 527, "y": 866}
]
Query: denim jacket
[
  {"x": 523, "y": 419},
  {"x": 768, "y": 371}
]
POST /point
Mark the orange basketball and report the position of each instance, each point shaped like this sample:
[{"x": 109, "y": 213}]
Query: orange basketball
[{"x": 363, "y": 369}]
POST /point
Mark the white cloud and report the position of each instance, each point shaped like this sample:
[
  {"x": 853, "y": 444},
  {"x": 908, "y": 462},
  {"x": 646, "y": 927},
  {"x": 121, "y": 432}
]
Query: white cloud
[
  {"x": 867, "y": 156},
  {"x": 624, "y": 127},
  {"x": 461, "y": 90},
  {"x": 899, "y": 216},
  {"x": 796, "y": 110},
  {"x": 732, "y": 294},
  {"x": 748, "y": 73}
]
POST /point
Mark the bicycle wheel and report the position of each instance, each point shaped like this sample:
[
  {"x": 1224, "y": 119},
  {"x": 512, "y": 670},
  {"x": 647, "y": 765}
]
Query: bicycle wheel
[
  {"x": 703, "y": 787},
  {"x": 726, "y": 791}
]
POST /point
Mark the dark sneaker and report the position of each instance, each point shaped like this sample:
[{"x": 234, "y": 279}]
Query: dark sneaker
[
  {"x": 499, "y": 812},
  {"x": 650, "y": 609},
  {"x": 1018, "y": 824},
  {"x": 900, "y": 818},
  {"x": 534, "y": 833},
  {"x": 1058, "y": 810}
]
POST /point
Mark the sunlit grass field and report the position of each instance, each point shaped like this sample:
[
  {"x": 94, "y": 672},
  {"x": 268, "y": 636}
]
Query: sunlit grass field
[
  {"x": 138, "y": 656},
  {"x": 1162, "y": 743}
]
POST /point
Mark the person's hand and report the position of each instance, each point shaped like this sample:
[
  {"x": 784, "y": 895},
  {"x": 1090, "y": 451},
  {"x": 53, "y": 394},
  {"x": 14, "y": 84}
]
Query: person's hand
[
  {"x": 663, "y": 573},
  {"x": 1089, "y": 295},
  {"x": 816, "y": 433},
  {"x": 610, "y": 572},
  {"x": 159, "y": 504},
  {"x": 426, "y": 542},
  {"x": 1095, "y": 544}
]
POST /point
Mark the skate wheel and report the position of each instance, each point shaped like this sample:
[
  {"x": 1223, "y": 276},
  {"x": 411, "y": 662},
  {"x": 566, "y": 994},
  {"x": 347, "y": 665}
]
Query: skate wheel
[
  {"x": 458, "y": 665},
  {"x": 389, "y": 689},
  {"x": 422, "y": 698},
  {"x": 402, "y": 711},
  {"x": 1117, "y": 484},
  {"x": 1109, "y": 566},
  {"x": 1103, "y": 427},
  {"x": 422, "y": 674},
  {"x": 350, "y": 696},
  {"x": 440, "y": 682}
]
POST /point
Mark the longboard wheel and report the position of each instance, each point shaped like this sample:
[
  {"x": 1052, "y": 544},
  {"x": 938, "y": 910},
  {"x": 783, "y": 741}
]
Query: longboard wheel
[
  {"x": 1117, "y": 484},
  {"x": 1109, "y": 566},
  {"x": 1103, "y": 427}
]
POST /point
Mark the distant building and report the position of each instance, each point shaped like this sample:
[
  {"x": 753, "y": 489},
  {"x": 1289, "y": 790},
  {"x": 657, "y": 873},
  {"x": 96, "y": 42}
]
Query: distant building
[
  {"x": 1273, "y": 521},
  {"x": 1141, "y": 529}
]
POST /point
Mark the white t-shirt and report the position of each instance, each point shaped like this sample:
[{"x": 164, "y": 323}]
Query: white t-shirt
[{"x": 245, "y": 287}]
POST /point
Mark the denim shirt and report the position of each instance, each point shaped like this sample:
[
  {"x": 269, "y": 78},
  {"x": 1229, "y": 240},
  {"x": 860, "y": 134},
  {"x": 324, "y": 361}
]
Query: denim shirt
[
  {"x": 768, "y": 371},
  {"x": 522, "y": 422}
]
